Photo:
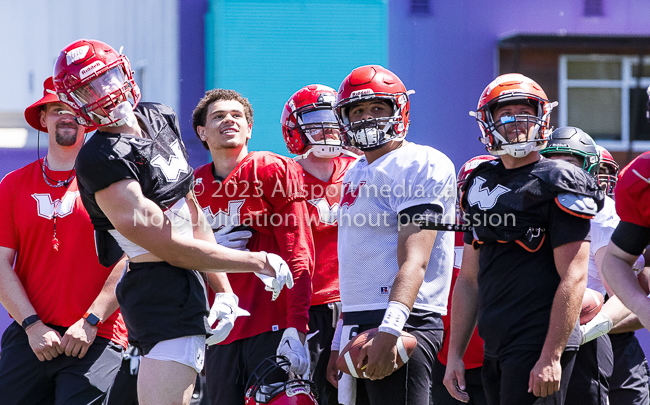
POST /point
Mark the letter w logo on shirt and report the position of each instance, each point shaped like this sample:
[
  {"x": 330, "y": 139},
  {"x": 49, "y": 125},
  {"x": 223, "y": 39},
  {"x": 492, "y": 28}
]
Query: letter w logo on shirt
[
  {"x": 326, "y": 213},
  {"x": 482, "y": 196},
  {"x": 63, "y": 207},
  {"x": 174, "y": 166},
  {"x": 221, "y": 219},
  {"x": 349, "y": 195}
]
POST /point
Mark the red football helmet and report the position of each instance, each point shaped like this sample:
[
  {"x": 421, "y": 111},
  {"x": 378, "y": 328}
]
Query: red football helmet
[
  {"x": 93, "y": 78},
  {"x": 308, "y": 113},
  {"x": 470, "y": 165},
  {"x": 513, "y": 88},
  {"x": 292, "y": 392},
  {"x": 608, "y": 172},
  {"x": 366, "y": 83}
]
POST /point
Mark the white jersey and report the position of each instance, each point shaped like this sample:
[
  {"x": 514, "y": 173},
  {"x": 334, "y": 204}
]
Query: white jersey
[{"x": 372, "y": 196}]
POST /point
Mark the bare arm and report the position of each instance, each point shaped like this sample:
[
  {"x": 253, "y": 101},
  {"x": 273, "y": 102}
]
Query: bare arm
[
  {"x": 44, "y": 341},
  {"x": 413, "y": 252},
  {"x": 617, "y": 269},
  {"x": 614, "y": 308},
  {"x": 463, "y": 321},
  {"x": 571, "y": 261},
  {"x": 141, "y": 221}
]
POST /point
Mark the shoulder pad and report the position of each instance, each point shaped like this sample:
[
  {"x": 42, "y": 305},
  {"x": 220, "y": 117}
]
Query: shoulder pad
[
  {"x": 578, "y": 205},
  {"x": 563, "y": 177}
]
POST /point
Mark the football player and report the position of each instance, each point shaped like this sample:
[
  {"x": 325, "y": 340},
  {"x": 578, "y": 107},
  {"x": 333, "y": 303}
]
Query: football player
[
  {"x": 253, "y": 201},
  {"x": 62, "y": 300},
  {"x": 393, "y": 275},
  {"x": 135, "y": 183},
  {"x": 628, "y": 383},
  {"x": 311, "y": 131},
  {"x": 525, "y": 263},
  {"x": 473, "y": 357}
]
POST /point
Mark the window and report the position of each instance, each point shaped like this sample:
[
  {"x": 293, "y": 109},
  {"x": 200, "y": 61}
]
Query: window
[{"x": 605, "y": 96}]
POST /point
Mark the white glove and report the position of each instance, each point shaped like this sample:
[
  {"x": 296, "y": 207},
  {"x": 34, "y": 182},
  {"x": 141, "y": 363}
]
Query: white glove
[
  {"x": 282, "y": 275},
  {"x": 297, "y": 353},
  {"x": 225, "y": 309},
  {"x": 600, "y": 325},
  {"x": 234, "y": 240}
]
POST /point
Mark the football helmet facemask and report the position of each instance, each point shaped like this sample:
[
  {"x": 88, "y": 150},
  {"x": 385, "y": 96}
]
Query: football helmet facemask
[
  {"x": 97, "y": 82},
  {"x": 513, "y": 88},
  {"x": 308, "y": 119},
  {"x": 608, "y": 172},
  {"x": 576, "y": 142},
  {"x": 368, "y": 83},
  {"x": 291, "y": 392}
]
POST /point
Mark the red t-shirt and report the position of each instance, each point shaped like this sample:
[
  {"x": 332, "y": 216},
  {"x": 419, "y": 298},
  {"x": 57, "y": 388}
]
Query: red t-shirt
[
  {"x": 61, "y": 284},
  {"x": 633, "y": 192},
  {"x": 323, "y": 204},
  {"x": 264, "y": 192},
  {"x": 473, "y": 357}
]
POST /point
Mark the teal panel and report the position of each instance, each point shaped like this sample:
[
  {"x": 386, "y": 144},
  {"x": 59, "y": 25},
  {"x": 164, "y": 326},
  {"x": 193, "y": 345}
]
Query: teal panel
[{"x": 266, "y": 50}]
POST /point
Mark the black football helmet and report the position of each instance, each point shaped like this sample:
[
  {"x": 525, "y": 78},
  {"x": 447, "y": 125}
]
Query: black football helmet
[
  {"x": 576, "y": 142},
  {"x": 292, "y": 392}
]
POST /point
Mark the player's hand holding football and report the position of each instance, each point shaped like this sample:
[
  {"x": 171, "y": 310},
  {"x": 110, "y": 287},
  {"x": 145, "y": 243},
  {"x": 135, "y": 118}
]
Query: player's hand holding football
[
  {"x": 545, "y": 377},
  {"x": 293, "y": 349},
  {"x": 282, "y": 277},
  {"x": 381, "y": 355},
  {"x": 225, "y": 309}
]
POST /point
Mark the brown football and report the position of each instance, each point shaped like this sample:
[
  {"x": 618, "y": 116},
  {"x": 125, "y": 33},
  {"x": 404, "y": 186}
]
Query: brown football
[
  {"x": 592, "y": 302},
  {"x": 349, "y": 356}
]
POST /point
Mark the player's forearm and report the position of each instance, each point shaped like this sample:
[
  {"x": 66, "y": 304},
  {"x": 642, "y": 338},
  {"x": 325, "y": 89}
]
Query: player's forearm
[
  {"x": 564, "y": 314},
  {"x": 621, "y": 279},
  {"x": 12, "y": 293},
  {"x": 630, "y": 323},
  {"x": 106, "y": 302},
  {"x": 615, "y": 310},
  {"x": 407, "y": 283},
  {"x": 463, "y": 318}
]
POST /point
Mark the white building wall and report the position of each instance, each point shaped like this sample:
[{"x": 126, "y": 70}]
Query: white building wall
[{"x": 33, "y": 32}]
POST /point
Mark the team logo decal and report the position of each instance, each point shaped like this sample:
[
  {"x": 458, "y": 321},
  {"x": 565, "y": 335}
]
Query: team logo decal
[
  {"x": 62, "y": 207},
  {"x": 174, "y": 166},
  {"x": 482, "y": 196},
  {"x": 227, "y": 219},
  {"x": 350, "y": 195},
  {"x": 326, "y": 213},
  {"x": 76, "y": 54}
]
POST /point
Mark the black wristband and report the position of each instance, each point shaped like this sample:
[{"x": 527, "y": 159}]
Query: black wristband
[{"x": 30, "y": 320}]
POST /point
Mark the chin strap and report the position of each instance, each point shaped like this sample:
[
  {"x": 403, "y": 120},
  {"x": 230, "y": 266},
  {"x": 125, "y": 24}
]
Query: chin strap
[{"x": 326, "y": 152}]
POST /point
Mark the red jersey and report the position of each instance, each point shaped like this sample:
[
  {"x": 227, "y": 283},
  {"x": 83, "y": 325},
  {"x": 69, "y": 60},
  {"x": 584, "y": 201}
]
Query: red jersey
[
  {"x": 264, "y": 192},
  {"x": 62, "y": 282},
  {"x": 633, "y": 192},
  {"x": 473, "y": 357},
  {"x": 323, "y": 204}
]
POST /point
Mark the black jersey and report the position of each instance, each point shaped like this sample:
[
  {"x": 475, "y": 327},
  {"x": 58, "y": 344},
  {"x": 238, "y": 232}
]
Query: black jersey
[
  {"x": 158, "y": 163},
  {"x": 519, "y": 216}
]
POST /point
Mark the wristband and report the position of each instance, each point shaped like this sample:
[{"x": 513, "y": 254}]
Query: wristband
[
  {"x": 394, "y": 318},
  {"x": 91, "y": 318},
  {"x": 29, "y": 321},
  {"x": 336, "y": 340}
]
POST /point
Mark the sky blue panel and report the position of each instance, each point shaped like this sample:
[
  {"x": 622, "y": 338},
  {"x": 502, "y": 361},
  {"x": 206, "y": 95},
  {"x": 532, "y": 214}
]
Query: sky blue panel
[{"x": 267, "y": 50}]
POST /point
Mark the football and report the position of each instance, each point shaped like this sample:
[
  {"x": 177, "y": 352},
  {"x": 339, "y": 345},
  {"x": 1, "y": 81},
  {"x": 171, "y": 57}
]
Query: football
[
  {"x": 592, "y": 302},
  {"x": 349, "y": 356}
]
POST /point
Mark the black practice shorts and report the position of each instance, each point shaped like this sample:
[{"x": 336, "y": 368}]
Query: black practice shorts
[
  {"x": 320, "y": 348},
  {"x": 227, "y": 367},
  {"x": 629, "y": 383},
  {"x": 589, "y": 384},
  {"x": 505, "y": 380},
  {"x": 63, "y": 380},
  {"x": 161, "y": 302}
]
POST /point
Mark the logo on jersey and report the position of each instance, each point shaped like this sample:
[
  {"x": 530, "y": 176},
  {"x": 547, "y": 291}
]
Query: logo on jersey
[
  {"x": 174, "y": 166},
  {"x": 326, "y": 213},
  {"x": 63, "y": 207},
  {"x": 349, "y": 195},
  {"x": 482, "y": 196},
  {"x": 228, "y": 219}
]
